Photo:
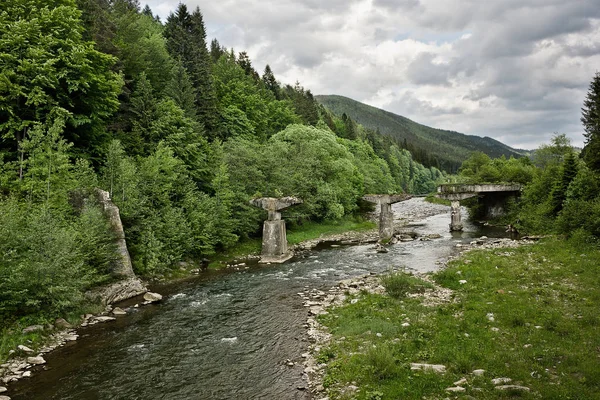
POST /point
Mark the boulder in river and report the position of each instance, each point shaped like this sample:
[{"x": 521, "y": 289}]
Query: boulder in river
[
  {"x": 36, "y": 360},
  {"x": 152, "y": 297},
  {"x": 119, "y": 311}
]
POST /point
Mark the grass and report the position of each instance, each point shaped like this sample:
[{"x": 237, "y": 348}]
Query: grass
[
  {"x": 436, "y": 200},
  {"x": 529, "y": 314},
  {"x": 399, "y": 284},
  {"x": 314, "y": 230}
]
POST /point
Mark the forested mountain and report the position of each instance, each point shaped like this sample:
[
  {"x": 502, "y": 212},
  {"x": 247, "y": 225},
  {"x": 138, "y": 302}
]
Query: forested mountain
[
  {"x": 180, "y": 132},
  {"x": 433, "y": 147}
]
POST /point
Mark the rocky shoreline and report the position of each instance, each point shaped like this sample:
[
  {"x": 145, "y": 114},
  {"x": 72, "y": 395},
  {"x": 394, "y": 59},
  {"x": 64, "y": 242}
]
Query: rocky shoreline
[
  {"x": 25, "y": 359},
  {"x": 318, "y": 302}
]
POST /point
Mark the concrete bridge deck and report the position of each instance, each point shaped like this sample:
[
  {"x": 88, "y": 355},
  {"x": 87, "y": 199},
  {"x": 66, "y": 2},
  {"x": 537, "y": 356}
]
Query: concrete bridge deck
[
  {"x": 456, "y": 192},
  {"x": 493, "y": 196}
]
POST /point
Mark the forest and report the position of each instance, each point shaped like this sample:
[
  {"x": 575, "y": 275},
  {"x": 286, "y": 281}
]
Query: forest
[{"x": 180, "y": 132}]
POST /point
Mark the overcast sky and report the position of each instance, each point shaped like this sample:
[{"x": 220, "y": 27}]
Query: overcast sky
[{"x": 514, "y": 70}]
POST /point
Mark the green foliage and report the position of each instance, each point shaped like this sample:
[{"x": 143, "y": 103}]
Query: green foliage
[
  {"x": 47, "y": 65},
  {"x": 247, "y": 109},
  {"x": 141, "y": 47},
  {"x": 480, "y": 168},
  {"x": 186, "y": 41},
  {"x": 302, "y": 161},
  {"x": 591, "y": 124},
  {"x": 47, "y": 262},
  {"x": 568, "y": 172}
]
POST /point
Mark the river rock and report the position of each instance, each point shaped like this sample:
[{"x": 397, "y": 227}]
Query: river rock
[
  {"x": 119, "y": 311},
  {"x": 500, "y": 381},
  {"x": 36, "y": 360},
  {"x": 3, "y": 389},
  {"x": 455, "y": 389},
  {"x": 479, "y": 372},
  {"x": 33, "y": 328},
  {"x": 62, "y": 323},
  {"x": 513, "y": 387},
  {"x": 152, "y": 297},
  {"x": 104, "y": 318},
  {"x": 24, "y": 349},
  {"x": 428, "y": 367},
  {"x": 4, "y": 398}
]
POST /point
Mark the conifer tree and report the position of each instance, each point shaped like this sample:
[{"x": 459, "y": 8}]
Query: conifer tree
[
  {"x": 591, "y": 123},
  {"x": 246, "y": 64},
  {"x": 186, "y": 41},
  {"x": 567, "y": 174},
  {"x": 270, "y": 82},
  {"x": 181, "y": 90},
  {"x": 216, "y": 50}
]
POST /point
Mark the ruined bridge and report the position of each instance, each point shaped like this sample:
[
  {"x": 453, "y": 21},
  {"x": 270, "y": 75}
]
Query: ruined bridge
[{"x": 493, "y": 197}]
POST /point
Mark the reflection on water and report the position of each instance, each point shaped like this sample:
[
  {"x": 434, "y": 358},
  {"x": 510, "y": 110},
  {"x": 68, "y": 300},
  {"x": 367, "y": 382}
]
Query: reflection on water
[{"x": 223, "y": 335}]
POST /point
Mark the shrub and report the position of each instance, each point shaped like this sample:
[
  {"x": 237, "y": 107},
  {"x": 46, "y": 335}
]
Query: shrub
[{"x": 400, "y": 284}]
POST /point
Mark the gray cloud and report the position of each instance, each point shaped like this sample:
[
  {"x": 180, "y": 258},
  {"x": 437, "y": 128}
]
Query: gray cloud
[{"x": 515, "y": 70}]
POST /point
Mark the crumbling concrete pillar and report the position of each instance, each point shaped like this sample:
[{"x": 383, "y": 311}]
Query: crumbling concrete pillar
[
  {"x": 123, "y": 266},
  {"x": 455, "y": 219},
  {"x": 386, "y": 215},
  {"x": 274, "y": 243}
]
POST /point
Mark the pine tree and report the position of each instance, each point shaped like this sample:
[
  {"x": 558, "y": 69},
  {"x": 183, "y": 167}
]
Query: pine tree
[
  {"x": 216, "y": 50},
  {"x": 186, "y": 41},
  {"x": 591, "y": 123},
  {"x": 181, "y": 90},
  {"x": 270, "y": 82},
  {"x": 567, "y": 174},
  {"x": 246, "y": 64}
]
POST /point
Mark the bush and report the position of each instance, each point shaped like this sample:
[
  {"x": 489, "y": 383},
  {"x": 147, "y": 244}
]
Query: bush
[
  {"x": 46, "y": 261},
  {"x": 399, "y": 284}
]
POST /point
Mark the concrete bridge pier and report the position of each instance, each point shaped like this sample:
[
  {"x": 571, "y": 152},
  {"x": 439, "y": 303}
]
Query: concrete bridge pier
[
  {"x": 274, "y": 243},
  {"x": 386, "y": 215},
  {"x": 455, "y": 217}
]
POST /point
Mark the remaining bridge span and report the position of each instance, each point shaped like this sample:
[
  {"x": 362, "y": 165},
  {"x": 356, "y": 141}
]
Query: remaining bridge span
[{"x": 493, "y": 197}]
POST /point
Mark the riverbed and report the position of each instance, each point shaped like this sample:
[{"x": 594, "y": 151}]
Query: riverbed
[{"x": 230, "y": 335}]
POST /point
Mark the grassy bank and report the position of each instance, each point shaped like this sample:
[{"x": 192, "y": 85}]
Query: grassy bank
[
  {"x": 529, "y": 314},
  {"x": 436, "y": 200}
]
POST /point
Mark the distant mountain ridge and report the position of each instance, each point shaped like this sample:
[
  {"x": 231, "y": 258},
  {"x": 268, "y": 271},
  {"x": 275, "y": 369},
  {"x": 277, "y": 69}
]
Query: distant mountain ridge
[{"x": 447, "y": 149}]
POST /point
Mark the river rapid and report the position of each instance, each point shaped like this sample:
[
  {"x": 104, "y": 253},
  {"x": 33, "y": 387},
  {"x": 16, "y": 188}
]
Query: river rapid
[{"x": 229, "y": 335}]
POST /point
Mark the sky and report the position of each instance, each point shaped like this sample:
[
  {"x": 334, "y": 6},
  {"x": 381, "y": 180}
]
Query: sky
[{"x": 514, "y": 70}]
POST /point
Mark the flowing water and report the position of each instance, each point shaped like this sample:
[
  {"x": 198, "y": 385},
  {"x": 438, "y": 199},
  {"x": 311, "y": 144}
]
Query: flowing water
[{"x": 222, "y": 335}]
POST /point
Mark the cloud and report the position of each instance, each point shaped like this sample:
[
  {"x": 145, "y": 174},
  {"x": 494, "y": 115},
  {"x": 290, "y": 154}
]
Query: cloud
[{"x": 515, "y": 70}]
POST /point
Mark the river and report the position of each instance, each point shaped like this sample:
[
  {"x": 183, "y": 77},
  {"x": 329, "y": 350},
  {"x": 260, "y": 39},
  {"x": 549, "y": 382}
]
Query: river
[{"x": 227, "y": 335}]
